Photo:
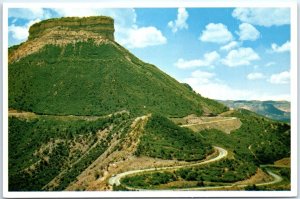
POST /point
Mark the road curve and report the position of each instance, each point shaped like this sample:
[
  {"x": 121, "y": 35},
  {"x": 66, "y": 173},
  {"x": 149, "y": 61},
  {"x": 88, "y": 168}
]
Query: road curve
[
  {"x": 115, "y": 180},
  {"x": 276, "y": 179}
]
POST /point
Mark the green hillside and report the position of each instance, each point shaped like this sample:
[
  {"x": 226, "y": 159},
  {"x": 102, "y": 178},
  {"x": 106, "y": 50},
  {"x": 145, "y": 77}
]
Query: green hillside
[
  {"x": 163, "y": 139},
  {"x": 90, "y": 79},
  {"x": 42, "y": 148},
  {"x": 259, "y": 141}
]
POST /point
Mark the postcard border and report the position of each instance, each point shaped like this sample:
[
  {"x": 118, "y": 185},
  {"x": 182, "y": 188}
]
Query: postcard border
[{"x": 165, "y": 4}]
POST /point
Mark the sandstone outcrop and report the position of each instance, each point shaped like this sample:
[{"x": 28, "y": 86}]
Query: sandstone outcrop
[{"x": 64, "y": 31}]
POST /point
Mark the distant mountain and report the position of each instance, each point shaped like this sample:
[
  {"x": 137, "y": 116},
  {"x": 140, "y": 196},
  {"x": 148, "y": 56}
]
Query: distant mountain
[{"x": 277, "y": 110}]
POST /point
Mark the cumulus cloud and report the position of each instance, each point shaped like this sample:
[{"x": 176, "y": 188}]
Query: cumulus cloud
[
  {"x": 280, "y": 49},
  {"x": 143, "y": 37},
  {"x": 280, "y": 78},
  {"x": 263, "y": 16},
  {"x": 208, "y": 85},
  {"x": 200, "y": 77},
  {"x": 229, "y": 46},
  {"x": 240, "y": 56},
  {"x": 216, "y": 33},
  {"x": 180, "y": 22},
  {"x": 20, "y": 33},
  {"x": 29, "y": 13},
  {"x": 208, "y": 60},
  {"x": 248, "y": 32},
  {"x": 255, "y": 76}
]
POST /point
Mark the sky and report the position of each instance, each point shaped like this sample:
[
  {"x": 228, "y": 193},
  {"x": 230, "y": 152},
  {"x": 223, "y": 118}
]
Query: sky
[{"x": 223, "y": 53}]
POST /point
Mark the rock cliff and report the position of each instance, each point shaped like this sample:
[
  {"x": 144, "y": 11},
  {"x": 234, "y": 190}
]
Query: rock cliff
[
  {"x": 64, "y": 31},
  {"x": 103, "y": 26}
]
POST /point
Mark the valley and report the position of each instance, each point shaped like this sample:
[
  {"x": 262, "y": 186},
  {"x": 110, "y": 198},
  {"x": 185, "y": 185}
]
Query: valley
[{"x": 119, "y": 159}]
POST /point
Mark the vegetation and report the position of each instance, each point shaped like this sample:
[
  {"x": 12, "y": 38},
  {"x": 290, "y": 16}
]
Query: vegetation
[
  {"x": 258, "y": 141},
  {"x": 90, "y": 79},
  {"x": 226, "y": 171},
  {"x": 42, "y": 148},
  {"x": 163, "y": 139}
]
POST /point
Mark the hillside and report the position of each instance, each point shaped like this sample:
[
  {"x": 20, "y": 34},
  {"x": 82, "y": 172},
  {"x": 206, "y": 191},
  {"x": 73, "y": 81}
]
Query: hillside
[
  {"x": 258, "y": 141},
  {"x": 277, "y": 110},
  {"x": 88, "y": 73}
]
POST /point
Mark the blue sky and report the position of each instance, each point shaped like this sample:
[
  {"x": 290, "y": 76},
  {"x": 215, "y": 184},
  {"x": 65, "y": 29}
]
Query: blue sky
[{"x": 223, "y": 53}]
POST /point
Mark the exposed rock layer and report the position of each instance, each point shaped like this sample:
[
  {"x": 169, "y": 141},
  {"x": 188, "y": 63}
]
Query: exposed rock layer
[
  {"x": 64, "y": 31},
  {"x": 101, "y": 25}
]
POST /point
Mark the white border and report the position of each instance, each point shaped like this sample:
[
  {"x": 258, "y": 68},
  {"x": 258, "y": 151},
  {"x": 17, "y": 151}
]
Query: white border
[{"x": 155, "y": 4}]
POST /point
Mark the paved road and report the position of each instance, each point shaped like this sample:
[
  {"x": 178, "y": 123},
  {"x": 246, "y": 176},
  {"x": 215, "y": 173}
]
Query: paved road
[
  {"x": 116, "y": 179},
  {"x": 222, "y": 153},
  {"x": 276, "y": 179}
]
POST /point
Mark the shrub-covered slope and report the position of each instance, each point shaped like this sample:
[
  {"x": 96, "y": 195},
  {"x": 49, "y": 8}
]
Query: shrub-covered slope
[
  {"x": 46, "y": 148},
  {"x": 90, "y": 79},
  {"x": 259, "y": 139},
  {"x": 164, "y": 139}
]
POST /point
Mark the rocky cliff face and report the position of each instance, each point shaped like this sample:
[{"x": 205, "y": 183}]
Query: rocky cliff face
[
  {"x": 63, "y": 31},
  {"x": 102, "y": 26}
]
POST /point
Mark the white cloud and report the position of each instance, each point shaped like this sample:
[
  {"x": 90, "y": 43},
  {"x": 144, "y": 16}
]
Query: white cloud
[
  {"x": 28, "y": 13},
  {"x": 248, "y": 32},
  {"x": 208, "y": 86},
  {"x": 20, "y": 33},
  {"x": 255, "y": 76},
  {"x": 208, "y": 60},
  {"x": 229, "y": 46},
  {"x": 240, "y": 56},
  {"x": 200, "y": 77},
  {"x": 263, "y": 16},
  {"x": 280, "y": 78},
  {"x": 143, "y": 37},
  {"x": 270, "y": 64},
  {"x": 216, "y": 33},
  {"x": 280, "y": 49},
  {"x": 180, "y": 22}
]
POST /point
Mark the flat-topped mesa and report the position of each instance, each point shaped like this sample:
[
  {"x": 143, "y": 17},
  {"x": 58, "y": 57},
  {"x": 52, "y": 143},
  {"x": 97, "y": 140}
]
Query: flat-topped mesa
[
  {"x": 98, "y": 25},
  {"x": 65, "y": 31}
]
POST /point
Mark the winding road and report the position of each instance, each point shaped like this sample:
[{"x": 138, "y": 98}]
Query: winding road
[
  {"x": 115, "y": 180},
  {"x": 276, "y": 179}
]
